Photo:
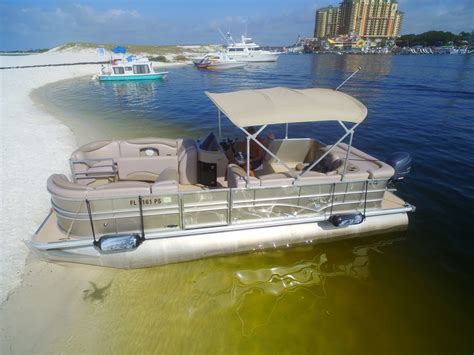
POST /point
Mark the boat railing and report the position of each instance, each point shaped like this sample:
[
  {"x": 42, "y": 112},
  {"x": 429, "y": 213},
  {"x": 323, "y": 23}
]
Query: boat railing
[{"x": 215, "y": 208}]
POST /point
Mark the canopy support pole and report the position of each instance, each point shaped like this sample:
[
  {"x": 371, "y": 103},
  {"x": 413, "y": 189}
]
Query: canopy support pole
[
  {"x": 248, "y": 159},
  {"x": 286, "y": 131},
  {"x": 219, "y": 119},
  {"x": 348, "y": 131},
  {"x": 254, "y": 138},
  {"x": 346, "y": 162}
]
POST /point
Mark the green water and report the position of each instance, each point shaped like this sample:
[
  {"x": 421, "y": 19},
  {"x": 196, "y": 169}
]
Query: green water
[{"x": 345, "y": 297}]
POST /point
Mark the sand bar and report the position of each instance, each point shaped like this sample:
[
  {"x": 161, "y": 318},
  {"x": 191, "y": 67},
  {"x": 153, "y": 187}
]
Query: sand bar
[{"x": 34, "y": 144}]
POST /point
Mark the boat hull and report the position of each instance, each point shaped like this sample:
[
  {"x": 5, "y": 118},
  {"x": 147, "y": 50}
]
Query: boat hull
[
  {"x": 265, "y": 57},
  {"x": 247, "y": 58},
  {"x": 197, "y": 244},
  {"x": 222, "y": 66},
  {"x": 154, "y": 76}
]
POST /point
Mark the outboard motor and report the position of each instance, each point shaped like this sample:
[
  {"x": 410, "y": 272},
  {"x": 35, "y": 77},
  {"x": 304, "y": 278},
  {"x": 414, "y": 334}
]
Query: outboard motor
[{"x": 401, "y": 163}]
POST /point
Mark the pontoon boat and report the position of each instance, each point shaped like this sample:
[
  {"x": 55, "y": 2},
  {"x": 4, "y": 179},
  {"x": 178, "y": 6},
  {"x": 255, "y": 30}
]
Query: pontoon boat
[{"x": 151, "y": 201}]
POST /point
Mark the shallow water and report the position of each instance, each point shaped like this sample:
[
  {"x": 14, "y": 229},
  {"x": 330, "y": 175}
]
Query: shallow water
[{"x": 405, "y": 293}]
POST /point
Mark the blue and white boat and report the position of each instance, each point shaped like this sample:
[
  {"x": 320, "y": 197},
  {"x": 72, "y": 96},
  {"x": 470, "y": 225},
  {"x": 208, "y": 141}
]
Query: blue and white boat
[{"x": 129, "y": 68}]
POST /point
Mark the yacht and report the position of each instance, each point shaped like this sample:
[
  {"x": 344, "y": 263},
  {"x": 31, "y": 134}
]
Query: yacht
[
  {"x": 151, "y": 201},
  {"x": 248, "y": 51}
]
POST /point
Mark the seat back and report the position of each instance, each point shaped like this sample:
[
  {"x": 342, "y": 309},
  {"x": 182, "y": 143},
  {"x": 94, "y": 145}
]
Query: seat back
[
  {"x": 187, "y": 161},
  {"x": 148, "y": 147},
  {"x": 97, "y": 150},
  {"x": 144, "y": 168}
]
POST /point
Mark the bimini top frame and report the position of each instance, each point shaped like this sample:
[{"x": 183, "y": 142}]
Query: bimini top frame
[{"x": 283, "y": 105}]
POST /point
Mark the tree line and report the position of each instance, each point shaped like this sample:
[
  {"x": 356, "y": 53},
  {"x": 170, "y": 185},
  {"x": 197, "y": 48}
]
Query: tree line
[{"x": 434, "y": 39}]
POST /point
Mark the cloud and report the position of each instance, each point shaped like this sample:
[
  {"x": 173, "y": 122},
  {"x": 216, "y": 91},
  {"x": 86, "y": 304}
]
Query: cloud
[
  {"x": 444, "y": 15},
  {"x": 72, "y": 22},
  {"x": 278, "y": 29},
  {"x": 278, "y": 22}
]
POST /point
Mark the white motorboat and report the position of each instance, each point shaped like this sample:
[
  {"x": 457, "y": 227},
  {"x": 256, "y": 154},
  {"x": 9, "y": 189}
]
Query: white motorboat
[
  {"x": 247, "y": 51},
  {"x": 151, "y": 201},
  {"x": 217, "y": 61}
]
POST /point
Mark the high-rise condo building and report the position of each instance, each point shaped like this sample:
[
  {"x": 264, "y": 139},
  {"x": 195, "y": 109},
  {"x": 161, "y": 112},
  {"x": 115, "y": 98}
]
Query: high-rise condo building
[
  {"x": 327, "y": 22},
  {"x": 365, "y": 18}
]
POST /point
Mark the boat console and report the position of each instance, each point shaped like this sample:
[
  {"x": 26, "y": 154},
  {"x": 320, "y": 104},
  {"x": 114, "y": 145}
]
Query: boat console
[{"x": 212, "y": 161}]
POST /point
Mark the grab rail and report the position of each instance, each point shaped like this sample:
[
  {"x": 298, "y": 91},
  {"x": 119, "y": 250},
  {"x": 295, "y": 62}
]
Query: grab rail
[{"x": 207, "y": 208}]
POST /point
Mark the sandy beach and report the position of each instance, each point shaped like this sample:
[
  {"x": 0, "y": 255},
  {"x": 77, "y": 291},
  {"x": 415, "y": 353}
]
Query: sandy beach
[{"x": 34, "y": 144}]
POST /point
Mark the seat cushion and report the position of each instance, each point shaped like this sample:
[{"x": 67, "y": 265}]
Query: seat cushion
[
  {"x": 144, "y": 169},
  {"x": 167, "y": 181}
]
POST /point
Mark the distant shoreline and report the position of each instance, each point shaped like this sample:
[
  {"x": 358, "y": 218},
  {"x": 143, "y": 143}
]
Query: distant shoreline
[{"x": 16, "y": 54}]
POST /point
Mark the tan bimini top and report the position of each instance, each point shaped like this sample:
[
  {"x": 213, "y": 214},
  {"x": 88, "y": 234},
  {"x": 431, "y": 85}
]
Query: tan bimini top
[{"x": 284, "y": 105}]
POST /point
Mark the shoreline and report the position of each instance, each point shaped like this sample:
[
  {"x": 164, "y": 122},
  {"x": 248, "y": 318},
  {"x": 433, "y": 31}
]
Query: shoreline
[
  {"x": 84, "y": 128},
  {"x": 35, "y": 143},
  {"x": 28, "y": 120}
]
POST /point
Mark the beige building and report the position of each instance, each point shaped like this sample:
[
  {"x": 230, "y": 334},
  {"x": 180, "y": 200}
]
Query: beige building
[
  {"x": 365, "y": 18},
  {"x": 327, "y": 22}
]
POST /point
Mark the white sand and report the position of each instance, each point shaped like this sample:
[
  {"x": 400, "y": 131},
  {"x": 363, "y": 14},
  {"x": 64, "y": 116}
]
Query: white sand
[
  {"x": 33, "y": 146},
  {"x": 41, "y": 304}
]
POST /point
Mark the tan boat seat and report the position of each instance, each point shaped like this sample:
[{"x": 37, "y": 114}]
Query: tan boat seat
[
  {"x": 187, "y": 161},
  {"x": 97, "y": 150},
  {"x": 146, "y": 147},
  {"x": 237, "y": 177},
  {"x": 144, "y": 168},
  {"x": 375, "y": 168},
  {"x": 59, "y": 185},
  {"x": 166, "y": 182}
]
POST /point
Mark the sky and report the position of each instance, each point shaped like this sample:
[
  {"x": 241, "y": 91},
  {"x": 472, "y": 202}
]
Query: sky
[{"x": 30, "y": 24}]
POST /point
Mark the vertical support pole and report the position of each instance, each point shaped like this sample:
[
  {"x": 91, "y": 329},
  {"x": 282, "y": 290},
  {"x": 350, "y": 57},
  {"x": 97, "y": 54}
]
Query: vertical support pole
[
  {"x": 333, "y": 191},
  {"x": 347, "y": 156},
  {"x": 248, "y": 159},
  {"x": 140, "y": 204},
  {"x": 286, "y": 131},
  {"x": 229, "y": 207},
  {"x": 365, "y": 197},
  {"x": 219, "y": 119},
  {"x": 181, "y": 211},
  {"x": 90, "y": 219}
]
